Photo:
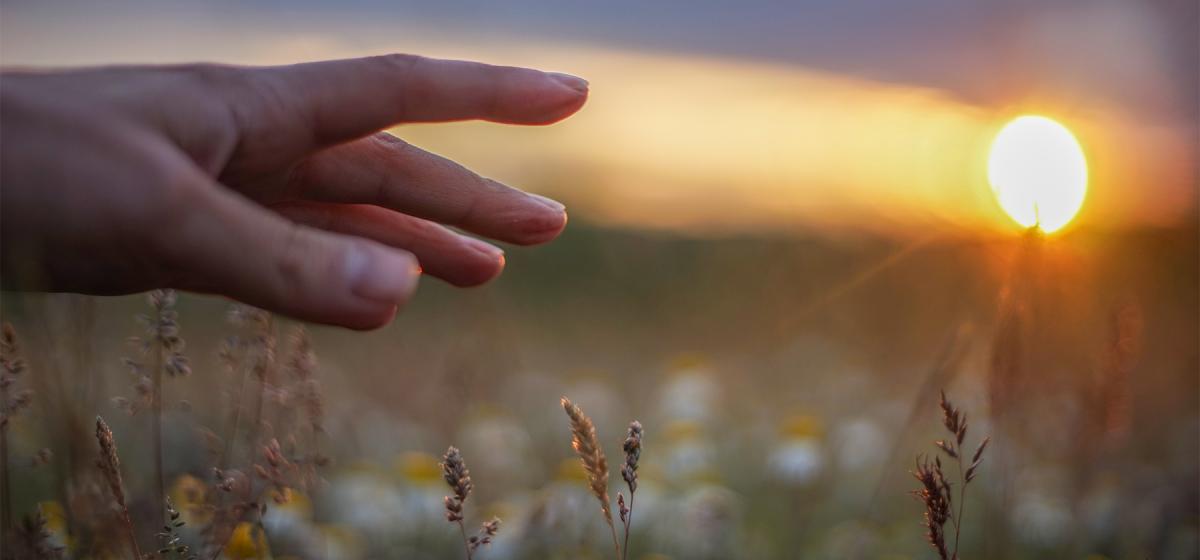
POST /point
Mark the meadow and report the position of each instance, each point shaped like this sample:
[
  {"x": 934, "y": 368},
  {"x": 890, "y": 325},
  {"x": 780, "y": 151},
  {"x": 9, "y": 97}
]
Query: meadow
[
  {"x": 796, "y": 266},
  {"x": 786, "y": 385}
]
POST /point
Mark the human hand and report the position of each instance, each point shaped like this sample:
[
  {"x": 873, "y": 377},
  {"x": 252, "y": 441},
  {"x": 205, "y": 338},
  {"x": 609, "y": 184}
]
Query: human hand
[{"x": 270, "y": 185}]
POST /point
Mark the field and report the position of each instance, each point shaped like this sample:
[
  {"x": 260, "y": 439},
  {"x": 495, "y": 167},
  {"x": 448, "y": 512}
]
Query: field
[{"x": 786, "y": 385}]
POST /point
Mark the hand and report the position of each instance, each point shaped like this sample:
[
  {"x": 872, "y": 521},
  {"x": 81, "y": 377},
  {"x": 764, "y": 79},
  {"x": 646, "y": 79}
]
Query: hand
[{"x": 270, "y": 185}]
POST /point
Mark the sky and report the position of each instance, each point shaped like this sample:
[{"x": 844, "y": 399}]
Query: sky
[{"x": 731, "y": 116}]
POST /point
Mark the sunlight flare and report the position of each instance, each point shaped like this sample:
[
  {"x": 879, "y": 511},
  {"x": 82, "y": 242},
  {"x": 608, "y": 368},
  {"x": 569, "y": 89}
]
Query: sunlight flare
[{"x": 1038, "y": 172}]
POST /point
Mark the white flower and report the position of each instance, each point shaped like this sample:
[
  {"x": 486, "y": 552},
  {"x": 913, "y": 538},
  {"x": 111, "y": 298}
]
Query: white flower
[
  {"x": 689, "y": 395},
  {"x": 798, "y": 458},
  {"x": 797, "y": 461},
  {"x": 1041, "y": 513},
  {"x": 370, "y": 504},
  {"x": 1041, "y": 520},
  {"x": 860, "y": 444}
]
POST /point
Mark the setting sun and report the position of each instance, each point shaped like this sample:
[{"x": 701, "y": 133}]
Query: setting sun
[{"x": 1038, "y": 172}]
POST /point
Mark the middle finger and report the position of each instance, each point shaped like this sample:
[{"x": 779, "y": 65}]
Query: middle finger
[{"x": 385, "y": 171}]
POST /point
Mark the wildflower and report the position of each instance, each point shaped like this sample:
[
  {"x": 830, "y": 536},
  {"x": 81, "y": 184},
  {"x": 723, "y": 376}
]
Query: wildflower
[
  {"x": 248, "y": 542},
  {"x": 798, "y": 457}
]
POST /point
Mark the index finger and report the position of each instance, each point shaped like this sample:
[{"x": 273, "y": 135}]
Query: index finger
[{"x": 296, "y": 109}]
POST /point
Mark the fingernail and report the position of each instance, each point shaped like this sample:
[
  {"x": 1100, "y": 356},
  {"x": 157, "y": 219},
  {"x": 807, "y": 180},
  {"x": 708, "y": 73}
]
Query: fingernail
[
  {"x": 487, "y": 249},
  {"x": 548, "y": 202},
  {"x": 381, "y": 275},
  {"x": 574, "y": 82}
]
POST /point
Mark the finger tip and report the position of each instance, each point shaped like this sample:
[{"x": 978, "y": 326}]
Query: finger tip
[
  {"x": 477, "y": 273},
  {"x": 571, "y": 82},
  {"x": 491, "y": 271},
  {"x": 382, "y": 274},
  {"x": 555, "y": 224},
  {"x": 540, "y": 229},
  {"x": 564, "y": 108},
  {"x": 549, "y": 102},
  {"x": 372, "y": 320}
]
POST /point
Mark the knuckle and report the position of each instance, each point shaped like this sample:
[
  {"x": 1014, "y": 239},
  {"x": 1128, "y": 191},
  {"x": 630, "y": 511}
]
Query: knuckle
[
  {"x": 392, "y": 147},
  {"x": 216, "y": 77},
  {"x": 384, "y": 182},
  {"x": 200, "y": 118},
  {"x": 243, "y": 91},
  {"x": 167, "y": 208},
  {"x": 468, "y": 212},
  {"x": 304, "y": 179},
  {"x": 313, "y": 215},
  {"x": 406, "y": 68},
  {"x": 218, "y": 87},
  {"x": 399, "y": 61},
  {"x": 291, "y": 259},
  {"x": 392, "y": 142},
  {"x": 172, "y": 193}
]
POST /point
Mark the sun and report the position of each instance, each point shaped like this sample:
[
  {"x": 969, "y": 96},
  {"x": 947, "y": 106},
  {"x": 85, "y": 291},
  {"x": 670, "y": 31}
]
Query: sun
[{"x": 1038, "y": 172}]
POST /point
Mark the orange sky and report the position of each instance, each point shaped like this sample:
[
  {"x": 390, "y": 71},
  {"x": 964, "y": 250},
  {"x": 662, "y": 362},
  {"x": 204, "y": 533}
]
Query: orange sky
[{"x": 706, "y": 144}]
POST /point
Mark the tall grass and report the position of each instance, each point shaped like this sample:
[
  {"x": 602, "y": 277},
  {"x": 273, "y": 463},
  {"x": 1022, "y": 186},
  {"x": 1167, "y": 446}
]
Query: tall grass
[
  {"x": 937, "y": 492},
  {"x": 109, "y": 464},
  {"x": 587, "y": 447},
  {"x": 12, "y": 401},
  {"x": 633, "y": 453},
  {"x": 591, "y": 455},
  {"x": 458, "y": 477}
]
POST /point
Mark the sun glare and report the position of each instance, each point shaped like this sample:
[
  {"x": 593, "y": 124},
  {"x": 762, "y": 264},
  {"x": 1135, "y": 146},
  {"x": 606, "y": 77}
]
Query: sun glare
[{"x": 1038, "y": 172}]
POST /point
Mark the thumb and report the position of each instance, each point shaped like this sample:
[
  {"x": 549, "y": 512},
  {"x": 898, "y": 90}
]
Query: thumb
[{"x": 232, "y": 246}]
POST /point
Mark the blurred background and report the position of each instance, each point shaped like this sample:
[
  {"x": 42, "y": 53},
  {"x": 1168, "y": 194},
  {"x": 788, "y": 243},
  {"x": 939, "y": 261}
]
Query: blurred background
[{"x": 782, "y": 245}]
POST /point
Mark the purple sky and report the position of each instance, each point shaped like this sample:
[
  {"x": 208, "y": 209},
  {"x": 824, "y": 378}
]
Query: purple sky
[{"x": 981, "y": 50}]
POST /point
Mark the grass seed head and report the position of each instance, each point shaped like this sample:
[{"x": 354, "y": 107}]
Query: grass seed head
[
  {"x": 110, "y": 462},
  {"x": 487, "y": 532},
  {"x": 633, "y": 452},
  {"x": 458, "y": 477},
  {"x": 587, "y": 447}
]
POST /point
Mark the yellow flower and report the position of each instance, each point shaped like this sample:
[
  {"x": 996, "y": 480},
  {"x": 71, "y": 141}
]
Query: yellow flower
[
  {"x": 686, "y": 362},
  {"x": 679, "y": 431},
  {"x": 419, "y": 468},
  {"x": 56, "y": 523},
  {"x": 55, "y": 516},
  {"x": 802, "y": 426},
  {"x": 292, "y": 501},
  {"x": 189, "y": 494},
  {"x": 247, "y": 542}
]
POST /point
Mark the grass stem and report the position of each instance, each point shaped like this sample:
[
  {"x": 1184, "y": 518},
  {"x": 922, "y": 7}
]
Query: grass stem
[{"x": 157, "y": 425}]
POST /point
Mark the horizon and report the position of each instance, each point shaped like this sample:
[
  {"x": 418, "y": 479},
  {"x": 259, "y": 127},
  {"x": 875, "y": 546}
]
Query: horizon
[{"x": 794, "y": 144}]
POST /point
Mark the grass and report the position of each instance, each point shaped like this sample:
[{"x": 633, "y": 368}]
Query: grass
[
  {"x": 456, "y": 474},
  {"x": 12, "y": 400},
  {"x": 276, "y": 418},
  {"x": 936, "y": 492},
  {"x": 109, "y": 464},
  {"x": 587, "y": 446}
]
